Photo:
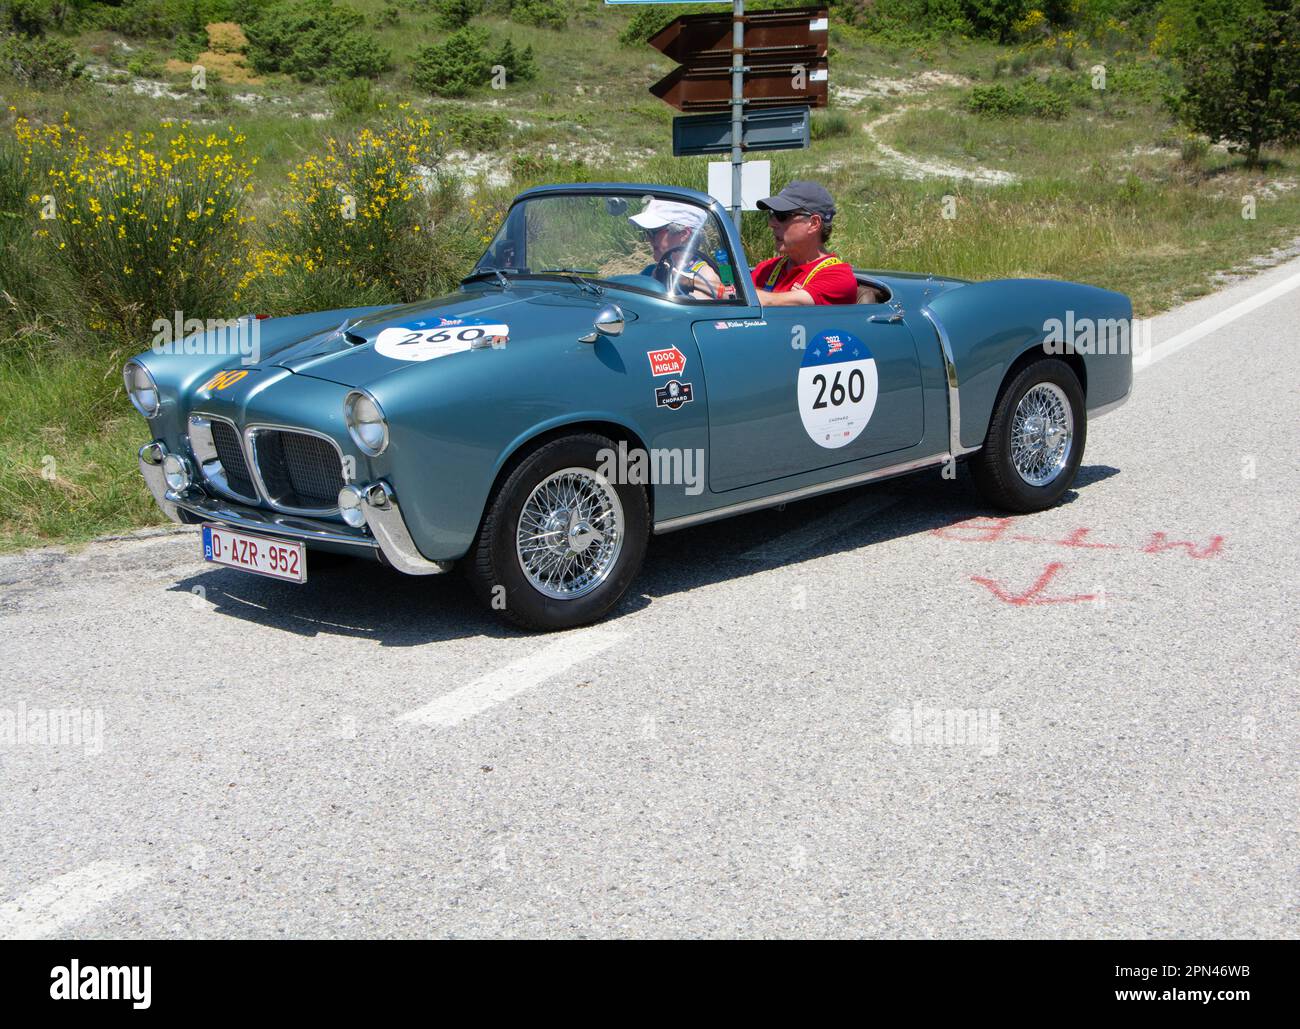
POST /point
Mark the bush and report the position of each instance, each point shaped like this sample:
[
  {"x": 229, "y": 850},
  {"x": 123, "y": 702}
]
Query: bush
[
  {"x": 143, "y": 226},
  {"x": 1030, "y": 97},
  {"x": 993, "y": 101},
  {"x": 471, "y": 129},
  {"x": 355, "y": 97},
  {"x": 21, "y": 280},
  {"x": 372, "y": 221},
  {"x": 314, "y": 39},
  {"x": 42, "y": 61},
  {"x": 454, "y": 67},
  {"x": 545, "y": 14},
  {"x": 455, "y": 14},
  {"x": 27, "y": 17},
  {"x": 520, "y": 65},
  {"x": 145, "y": 65}
]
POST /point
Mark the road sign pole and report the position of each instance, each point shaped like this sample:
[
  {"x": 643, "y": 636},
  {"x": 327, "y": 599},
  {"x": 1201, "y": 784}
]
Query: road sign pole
[{"x": 737, "y": 103}]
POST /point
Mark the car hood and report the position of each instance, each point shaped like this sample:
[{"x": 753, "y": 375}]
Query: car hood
[{"x": 357, "y": 351}]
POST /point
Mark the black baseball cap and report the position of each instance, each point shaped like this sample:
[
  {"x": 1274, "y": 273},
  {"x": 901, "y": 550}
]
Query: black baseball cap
[{"x": 801, "y": 196}]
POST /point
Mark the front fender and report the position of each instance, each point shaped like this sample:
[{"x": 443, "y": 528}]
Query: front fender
[{"x": 455, "y": 422}]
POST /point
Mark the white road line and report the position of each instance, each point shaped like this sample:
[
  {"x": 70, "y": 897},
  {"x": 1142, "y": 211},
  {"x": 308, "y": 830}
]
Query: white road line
[
  {"x": 67, "y": 899},
  {"x": 803, "y": 537},
  {"x": 525, "y": 674},
  {"x": 1230, "y": 314}
]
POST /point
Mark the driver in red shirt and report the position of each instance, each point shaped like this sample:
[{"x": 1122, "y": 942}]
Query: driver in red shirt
[{"x": 803, "y": 272}]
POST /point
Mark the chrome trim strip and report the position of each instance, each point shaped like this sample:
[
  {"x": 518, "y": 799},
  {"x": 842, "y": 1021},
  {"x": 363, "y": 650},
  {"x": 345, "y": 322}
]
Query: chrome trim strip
[
  {"x": 385, "y": 520},
  {"x": 157, "y": 482},
  {"x": 954, "y": 397},
  {"x": 804, "y": 492},
  {"x": 250, "y": 451},
  {"x": 221, "y": 484},
  {"x": 1097, "y": 412},
  {"x": 239, "y": 517}
]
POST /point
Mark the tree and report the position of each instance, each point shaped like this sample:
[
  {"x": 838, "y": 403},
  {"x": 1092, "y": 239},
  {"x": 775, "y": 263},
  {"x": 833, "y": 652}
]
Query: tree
[{"x": 1245, "y": 90}]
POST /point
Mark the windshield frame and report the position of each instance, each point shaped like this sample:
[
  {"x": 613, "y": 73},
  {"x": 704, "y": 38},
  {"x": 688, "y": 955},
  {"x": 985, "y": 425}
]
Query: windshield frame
[{"x": 746, "y": 296}]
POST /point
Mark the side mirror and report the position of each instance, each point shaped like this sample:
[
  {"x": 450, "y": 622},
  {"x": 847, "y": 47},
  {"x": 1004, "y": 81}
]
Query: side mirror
[{"x": 609, "y": 322}]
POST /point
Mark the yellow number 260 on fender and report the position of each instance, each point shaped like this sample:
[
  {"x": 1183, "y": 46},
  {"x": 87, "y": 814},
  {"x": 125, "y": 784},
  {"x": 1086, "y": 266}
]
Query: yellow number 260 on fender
[{"x": 222, "y": 379}]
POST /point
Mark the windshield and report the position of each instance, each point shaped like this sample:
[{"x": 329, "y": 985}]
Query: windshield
[{"x": 651, "y": 243}]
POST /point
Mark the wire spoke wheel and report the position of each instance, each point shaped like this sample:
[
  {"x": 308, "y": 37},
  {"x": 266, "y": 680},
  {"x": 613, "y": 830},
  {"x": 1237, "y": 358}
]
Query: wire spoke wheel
[
  {"x": 1042, "y": 434},
  {"x": 570, "y": 533}
]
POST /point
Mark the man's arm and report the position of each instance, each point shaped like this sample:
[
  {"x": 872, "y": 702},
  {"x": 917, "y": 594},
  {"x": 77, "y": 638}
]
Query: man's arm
[{"x": 797, "y": 297}]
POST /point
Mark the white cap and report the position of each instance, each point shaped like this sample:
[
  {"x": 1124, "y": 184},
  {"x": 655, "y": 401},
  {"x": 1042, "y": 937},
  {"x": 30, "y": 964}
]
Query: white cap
[{"x": 659, "y": 213}]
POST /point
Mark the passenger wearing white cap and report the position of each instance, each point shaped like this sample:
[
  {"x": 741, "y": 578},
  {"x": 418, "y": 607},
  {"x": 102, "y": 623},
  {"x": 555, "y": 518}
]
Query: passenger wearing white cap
[{"x": 671, "y": 229}]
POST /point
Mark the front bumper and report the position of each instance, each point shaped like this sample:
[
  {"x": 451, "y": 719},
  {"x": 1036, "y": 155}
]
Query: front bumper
[{"x": 385, "y": 530}]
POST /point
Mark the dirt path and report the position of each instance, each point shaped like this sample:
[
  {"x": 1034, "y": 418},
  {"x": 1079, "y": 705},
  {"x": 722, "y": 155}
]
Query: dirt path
[{"x": 915, "y": 168}]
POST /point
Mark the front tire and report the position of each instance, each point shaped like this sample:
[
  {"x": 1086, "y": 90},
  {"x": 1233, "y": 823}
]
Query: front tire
[
  {"x": 1035, "y": 439},
  {"x": 560, "y": 544}
]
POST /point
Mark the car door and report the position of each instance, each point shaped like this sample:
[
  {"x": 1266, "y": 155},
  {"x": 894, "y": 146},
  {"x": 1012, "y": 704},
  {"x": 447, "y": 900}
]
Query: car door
[{"x": 804, "y": 388}]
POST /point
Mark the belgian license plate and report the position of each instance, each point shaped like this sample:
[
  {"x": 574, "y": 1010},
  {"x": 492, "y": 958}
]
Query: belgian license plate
[{"x": 258, "y": 554}]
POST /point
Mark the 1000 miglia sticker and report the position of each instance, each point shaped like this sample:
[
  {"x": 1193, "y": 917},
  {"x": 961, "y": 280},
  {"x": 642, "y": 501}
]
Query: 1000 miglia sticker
[
  {"x": 422, "y": 342},
  {"x": 837, "y": 388}
]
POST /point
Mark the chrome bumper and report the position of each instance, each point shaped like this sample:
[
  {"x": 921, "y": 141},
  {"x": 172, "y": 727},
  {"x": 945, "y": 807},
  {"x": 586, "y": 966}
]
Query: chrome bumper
[
  {"x": 387, "y": 528},
  {"x": 385, "y": 521},
  {"x": 150, "y": 458}
]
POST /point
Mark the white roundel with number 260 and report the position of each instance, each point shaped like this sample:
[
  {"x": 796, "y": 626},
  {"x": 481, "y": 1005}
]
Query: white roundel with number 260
[
  {"x": 837, "y": 388},
  {"x": 405, "y": 343}
]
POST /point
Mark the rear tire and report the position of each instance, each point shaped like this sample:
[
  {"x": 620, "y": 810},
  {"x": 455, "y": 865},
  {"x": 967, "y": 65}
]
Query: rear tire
[
  {"x": 559, "y": 545},
  {"x": 1035, "y": 439}
]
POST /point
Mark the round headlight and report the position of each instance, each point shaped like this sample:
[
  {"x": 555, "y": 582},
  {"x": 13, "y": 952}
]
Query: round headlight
[
  {"x": 141, "y": 388},
  {"x": 350, "y": 506},
  {"x": 366, "y": 423},
  {"x": 176, "y": 471}
]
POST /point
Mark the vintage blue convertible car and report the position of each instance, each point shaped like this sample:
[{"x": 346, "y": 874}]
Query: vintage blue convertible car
[{"x": 578, "y": 394}]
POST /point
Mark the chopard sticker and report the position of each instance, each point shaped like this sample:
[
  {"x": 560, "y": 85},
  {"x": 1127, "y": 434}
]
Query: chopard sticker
[
  {"x": 451, "y": 336},
  {"x": 666, "y": 362},
  {"x": 673, "y": 394},
  {"x": 222, "y": 380},
  {"x": 837, "y": 388}
]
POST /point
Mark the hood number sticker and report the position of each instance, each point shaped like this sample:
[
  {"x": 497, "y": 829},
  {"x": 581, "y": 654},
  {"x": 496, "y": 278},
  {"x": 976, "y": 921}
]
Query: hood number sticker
[{"x": 402, "y": 343}]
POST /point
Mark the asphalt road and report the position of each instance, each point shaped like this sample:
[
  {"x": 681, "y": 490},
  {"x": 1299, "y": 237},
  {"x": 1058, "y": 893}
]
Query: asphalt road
[{"x": 748, "y": 748}]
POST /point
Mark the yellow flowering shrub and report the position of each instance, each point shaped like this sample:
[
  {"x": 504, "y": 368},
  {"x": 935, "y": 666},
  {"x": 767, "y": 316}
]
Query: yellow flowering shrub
[
  {"x": 372, "y": 220},
  {"x": 142, "y": 226}
]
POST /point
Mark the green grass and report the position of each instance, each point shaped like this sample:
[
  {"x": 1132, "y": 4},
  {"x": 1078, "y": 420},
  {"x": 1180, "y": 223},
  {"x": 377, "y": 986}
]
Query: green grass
[{"x": 68, "y": 472}]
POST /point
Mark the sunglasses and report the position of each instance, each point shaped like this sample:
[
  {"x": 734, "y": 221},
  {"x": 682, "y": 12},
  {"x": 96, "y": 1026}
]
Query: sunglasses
[{"x": 785, "y": 216}]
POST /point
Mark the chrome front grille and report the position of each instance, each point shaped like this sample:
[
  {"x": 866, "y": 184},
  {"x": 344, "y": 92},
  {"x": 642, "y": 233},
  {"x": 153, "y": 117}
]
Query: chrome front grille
[
  {"x": 298, "y": 471},
  {"x": 219, "y": 451},
  {"x": 226, "y": 441}
]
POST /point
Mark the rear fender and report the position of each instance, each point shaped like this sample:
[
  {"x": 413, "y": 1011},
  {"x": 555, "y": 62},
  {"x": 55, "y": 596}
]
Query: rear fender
[{"x": 987, "y": 327}]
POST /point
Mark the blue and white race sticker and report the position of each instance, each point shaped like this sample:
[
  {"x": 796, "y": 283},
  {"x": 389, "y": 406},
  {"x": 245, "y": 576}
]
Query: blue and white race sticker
[
  {"x": 837, "y": 388},
  {"x": 423, "y": 341}
]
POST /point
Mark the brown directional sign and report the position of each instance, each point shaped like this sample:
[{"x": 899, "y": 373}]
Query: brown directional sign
[
  {"x": 708, "y": 88},
  {"x": 784, "y": 57},
  {"x": 796, "y": 30}
]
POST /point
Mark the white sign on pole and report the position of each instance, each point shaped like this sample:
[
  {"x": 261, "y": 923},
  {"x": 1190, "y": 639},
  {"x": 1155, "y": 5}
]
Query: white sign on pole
[{"x": 755, "y": 185}]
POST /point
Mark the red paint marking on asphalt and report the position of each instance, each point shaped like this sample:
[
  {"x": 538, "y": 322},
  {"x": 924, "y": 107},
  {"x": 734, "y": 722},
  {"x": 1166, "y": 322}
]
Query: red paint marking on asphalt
[
  {"x": 1160, "y": 542},
  {"x": 984, "y": 529},
  {"x": 1033, "y": 595}
]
